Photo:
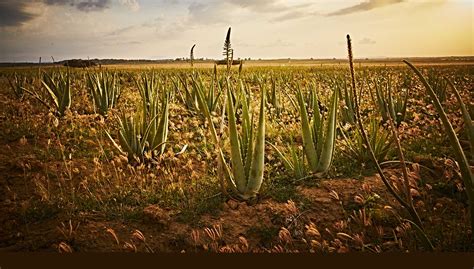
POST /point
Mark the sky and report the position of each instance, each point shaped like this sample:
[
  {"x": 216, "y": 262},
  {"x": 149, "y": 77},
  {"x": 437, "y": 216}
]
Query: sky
[{"x": 166, "y": 29}]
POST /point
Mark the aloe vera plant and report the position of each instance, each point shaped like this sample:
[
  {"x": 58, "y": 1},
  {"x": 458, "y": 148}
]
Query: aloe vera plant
[
  {"x": 186, "y": 94},
  {"x": 405, "y": 203},
  {"x": 105, "y": 91},
  {"x": 380, "y": 140},
  {"x": 438, "y": 84},
  {"x": 273, "y": 99},
  {"x": 293, "y": 161},
  {"x": 58, "y": 88},
  {"x": 157, "y": 118},
  {"x": 467, "y": 118},
  {"x": 247, "y": 153},
  {"x": 245, "y": 175},
  {"x": 467, "y": 175},
  {"x": 211, "y": 94},
  {"x": 133, "y": 138},
  {"x": 347, "y": 112},
  {"x": 388, "y": 103},
  {"x": 147, "y": 86},
  {"x": 145, "y": 133},
  {"x": 318, "y": 135},
  {"x": 17, "y": 85}
]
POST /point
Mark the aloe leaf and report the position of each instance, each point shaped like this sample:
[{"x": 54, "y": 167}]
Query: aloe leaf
[
  {"x": 124, "y": 135},
  {"x": 52, "y": 94},
  {"x": 404, "y": 108},
  {"x": 247, "y": 130},
  {"x": 308, "y": 142},
  {"x": 329, "y": 138},
  {"x": 465, "y": 114},
  {"x": 288, "y": 165},
  {"x": 466, "y": 173},
  {"x": 236, "y": 156},
  {"x": 221, "y": 160},
  {"x": 466, "y": 117},
  {"x": 258, "y": 162},
  {"x": 318, "y": 124},
  {"x": 162, "y": 131},
  {"x": 465, "y": 170}
]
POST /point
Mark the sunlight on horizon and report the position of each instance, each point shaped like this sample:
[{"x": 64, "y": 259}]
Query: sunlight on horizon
[{"x": 167, "y": 29}]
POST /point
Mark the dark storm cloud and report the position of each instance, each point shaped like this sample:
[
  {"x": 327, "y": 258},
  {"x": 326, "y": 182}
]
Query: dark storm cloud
[
  {"x": 13, "y": 13},
  {"x": 364, "y": 6}
]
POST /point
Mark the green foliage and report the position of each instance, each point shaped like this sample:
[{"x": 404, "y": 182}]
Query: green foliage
[
  {"x": 185, "y": 94},
  {"x": 380, "y": 140},
  {"x": 104, "y": 89},
  {"x": 247, "y": 153},
  {"x": 274, "y": 99},
  {"x": 438, "y": 84},
  {"x": 347, "y": 112},
  {"x": 17, "y": 85},
  {"x": 318, "y": 134},
  {"x": 188, "y": 92},
  {"x": 467, "y": 176},
  {"x": 58, "y": 87},
  {"x": 466, "y": 117},
  {"x": 293, "y": 160},
  {"x": 389, "y": 103},
  {"x": 145, "y": 133},
  {"x": 147, "y": 86},
  {"x": 211, "y": 94}
]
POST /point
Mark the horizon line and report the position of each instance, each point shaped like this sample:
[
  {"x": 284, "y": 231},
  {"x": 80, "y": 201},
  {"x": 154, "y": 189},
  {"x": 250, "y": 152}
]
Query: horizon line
[{"x": 244, "y": 59}]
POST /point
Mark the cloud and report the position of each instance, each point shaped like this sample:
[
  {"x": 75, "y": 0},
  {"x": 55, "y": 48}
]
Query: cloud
[
  {"x": 293, "y": 15},
  {"x": 268, "y": 6},
  {"x": 92, "y": 5},
  {"x": 259, "y": 5},
  {"x": 215, "y": 12},
  {"x": 133, "y": 5},
  {"x": 82, "y": 5},
  {"x": 158, "y": 27},
  {"x": 277, "y": 43},
  {"x": 14, "y": 13},
  {"x": 121, "y": 43},
  {"x": 17, "y": 12},
  {"x": 122, "y": 30},
  {"x": 209, "y": 13},
  {"x": 364, "y": 6},
  {"x": 367, "y": 41},
  {"x": 59, "y": 2}
]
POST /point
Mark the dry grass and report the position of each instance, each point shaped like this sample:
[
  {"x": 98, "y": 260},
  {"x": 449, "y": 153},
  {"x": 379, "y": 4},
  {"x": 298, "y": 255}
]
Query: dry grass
[{"x": 65, "y": 188}]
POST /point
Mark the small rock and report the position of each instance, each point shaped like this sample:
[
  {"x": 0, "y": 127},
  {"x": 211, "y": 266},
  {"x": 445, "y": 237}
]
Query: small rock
[
  {"x": 23, "y": 141},
  {"x": 322, "y": 200},
  {"x": 156, "y": 214},
  {"x": 233, "y": 204}
]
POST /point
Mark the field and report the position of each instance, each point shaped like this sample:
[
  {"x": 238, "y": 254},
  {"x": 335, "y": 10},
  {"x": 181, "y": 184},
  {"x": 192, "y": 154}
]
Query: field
[{"x": 257, "y": 158}]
